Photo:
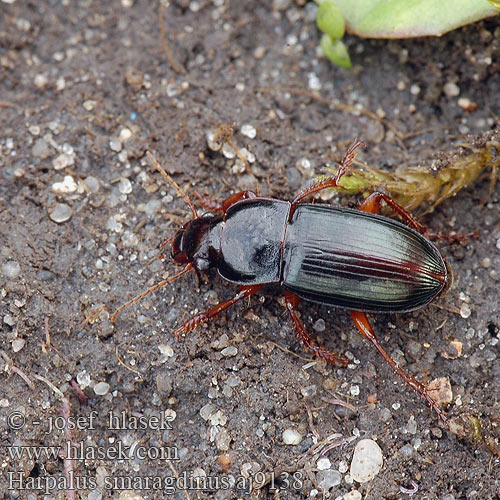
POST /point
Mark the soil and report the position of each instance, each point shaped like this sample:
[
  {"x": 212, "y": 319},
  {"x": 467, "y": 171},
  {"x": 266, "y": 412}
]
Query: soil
[{"x": 86, "y": 88}]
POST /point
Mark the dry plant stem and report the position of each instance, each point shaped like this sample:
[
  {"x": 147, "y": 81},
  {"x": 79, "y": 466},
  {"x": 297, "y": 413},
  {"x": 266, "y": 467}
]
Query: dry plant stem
[
  {"x": 65, "y": 412},
  {"x": 15, "y": 369},
  {"x": 175, "y": 65}
]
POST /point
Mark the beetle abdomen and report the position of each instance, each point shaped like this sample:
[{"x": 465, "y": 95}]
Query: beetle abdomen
[{"x": 359, "y": 261}]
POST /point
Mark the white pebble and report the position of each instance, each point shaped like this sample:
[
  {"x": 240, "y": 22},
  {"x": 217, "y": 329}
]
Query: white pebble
[
  {"x": 323, "y": 464},
  {"x": 367, "y": 461},
  {"x": 212, "y": 144},
  {"x": 292, "y": 437},
  {"x": 83, "y": 379},
  {"x": 101, "y": 388},
  {"x": 451, "y": 89},
  {"x": 61, "y": 213},
  {"x": 11, "y": 269},
  {"x": 18, "y": 344},
  {"x": 353, "y": 495},
  {"x": 218, "y": 418},
  {"x": 125, "y": 134},
  {"x": 229, "y": 352},
  {"x": 67, "y": 186},
  {"x": 62, "y": 161},
  {"x": 115, "y": 145},
  {"x": 328, "y": 479},
  {"x": 465, "y": 310},
  {"x": 124, "y": 186},
  {"x": 228, "y": 151},
  {"x": 166, "y": 350},
  {"x": 207, "y": 411},
  {"x": 249, "y": 131}
]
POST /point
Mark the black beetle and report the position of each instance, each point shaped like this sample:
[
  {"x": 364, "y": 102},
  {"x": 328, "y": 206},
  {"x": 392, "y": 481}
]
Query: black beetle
[{"x": 354, "y": 259}]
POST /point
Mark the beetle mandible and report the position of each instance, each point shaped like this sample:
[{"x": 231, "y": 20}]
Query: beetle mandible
[{"x": 354, "y": 259}]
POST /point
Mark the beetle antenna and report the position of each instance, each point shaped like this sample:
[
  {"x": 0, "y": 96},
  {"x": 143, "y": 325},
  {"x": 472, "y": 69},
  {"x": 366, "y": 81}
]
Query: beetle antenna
[
  {"x": 150, "y": 290},
  {"x": 174, "y": 184}
]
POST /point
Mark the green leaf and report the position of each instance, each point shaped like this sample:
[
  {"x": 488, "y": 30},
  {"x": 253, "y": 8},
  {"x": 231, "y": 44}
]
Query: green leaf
[
  {"x": 336, "y": 51},
  {"x": 409, "y": 18},
  {"x": 330, "y": 20}
]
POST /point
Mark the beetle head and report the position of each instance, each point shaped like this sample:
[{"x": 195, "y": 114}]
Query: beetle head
[{"x": 196, "y": 242}]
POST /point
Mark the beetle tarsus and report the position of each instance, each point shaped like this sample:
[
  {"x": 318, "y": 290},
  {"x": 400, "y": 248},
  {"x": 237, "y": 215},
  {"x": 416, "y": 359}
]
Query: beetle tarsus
[{"x": 363, "y": 325}]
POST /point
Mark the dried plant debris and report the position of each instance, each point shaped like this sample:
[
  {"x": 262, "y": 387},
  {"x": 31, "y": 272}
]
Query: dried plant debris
[
  {"x": 482, "y": 432},
  {"x": 425, "y": 187}
]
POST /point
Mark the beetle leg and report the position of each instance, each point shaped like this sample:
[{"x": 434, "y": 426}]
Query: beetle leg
[
  {"x": 292, "y": 301},
  {"x": 234, "y": 198},
  {"x": 215, "y": 206},
  {"x": 330, "y": 181},
  {"x": 372, "y": 205},
  {"x": 362, "y": 324},
  {"x": 198, "y": 319},
  {"x": 208, "y": 203}
]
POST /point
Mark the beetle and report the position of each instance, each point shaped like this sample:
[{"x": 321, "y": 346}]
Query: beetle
[{"x": 355, "y": 259}]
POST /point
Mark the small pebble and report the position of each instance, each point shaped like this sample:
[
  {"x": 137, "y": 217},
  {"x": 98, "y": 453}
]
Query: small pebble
[
  {"x": 166, "y": 350},
  {"x": 440, "y": 388},
  {"x": 406, "y": 450},
  {"x": 129, "y": 495},
  {"x": 61, "y": 213},
  {"x": 92, "y": 184},
  {"x": 229, "y": 352},
  {"x": 11, "y": 269},
  {"x": 89, "y": 104},
  {"x": 353, "y": 495},
  {"x": 9, "y": 320},
  {"x": 40, "y": 149},
  {"x": 366, "y": 461},
  {"x": 40, "y": 81},
  {"x": 319, "y": 325},
  {"x": 115, "y": 145},
  {"x": 218, "y": 418},
  {"x": 451, "y": 89},
  {"x": 292, "y": 437},
  {"x": 323, "y": 464},
  {"x": 328, "y": 479},
  {"x": 212, "y": 144},
  {"x": 259, "y": 52},
  {"x": 228, "y": 151},
  {"x": 101, "y": 388},
  {"x": 249, "y": 131},
  {"x": 207, "y": 411},
  {"x": 67, "y": 186},
  {"x": 18, "y": 344},
  {"x": 465, "y": 311},
  {"x": 309, "y": 392},
  {"x": 464, "y": 103},
  {"x": 83, "y": 379},
  {"x": 222, "y": 440},
  {"x": 124, "y": 186},
  {"x": 62, "y": 161},
  {"x": 125, "y": 134},
  {"x": 486, "y": 262}
]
